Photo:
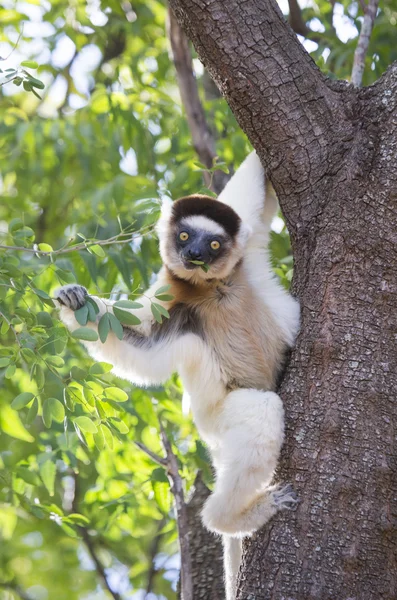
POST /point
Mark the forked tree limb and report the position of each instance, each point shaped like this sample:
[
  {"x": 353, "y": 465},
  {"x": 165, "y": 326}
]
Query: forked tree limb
[
  {"x": 286, "y": 106},
  {"x": 363, "y": 42}
]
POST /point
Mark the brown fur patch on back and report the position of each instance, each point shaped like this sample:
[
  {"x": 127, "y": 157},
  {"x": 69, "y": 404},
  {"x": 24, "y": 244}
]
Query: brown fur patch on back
[{"x": 198, "y": 204}]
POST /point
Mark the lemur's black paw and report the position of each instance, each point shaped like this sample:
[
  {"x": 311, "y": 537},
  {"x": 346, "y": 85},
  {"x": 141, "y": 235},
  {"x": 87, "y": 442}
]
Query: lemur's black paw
[
  {"x": 284, "y": 497},
  {"x": 72, "y": 296}
]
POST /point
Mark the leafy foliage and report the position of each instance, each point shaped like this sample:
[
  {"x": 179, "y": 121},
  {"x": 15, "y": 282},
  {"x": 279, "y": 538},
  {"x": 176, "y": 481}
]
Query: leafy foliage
[{"x": 83, "y": 170}]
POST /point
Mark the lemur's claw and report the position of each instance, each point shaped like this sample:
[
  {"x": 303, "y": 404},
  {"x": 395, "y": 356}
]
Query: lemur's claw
[
  {"x": 285, "y": 498},
  {"x": 72, "y": 296}
]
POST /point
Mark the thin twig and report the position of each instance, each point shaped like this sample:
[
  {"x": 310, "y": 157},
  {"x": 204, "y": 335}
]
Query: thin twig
[
  {"x": 157, "y": 459},
  {"x": 100, "y": 569},
  {"x": 153, "y": 551},
  {"x": 116, "y": 239},
  {"x": 363, "y": 42},
  {"x": 202, "y": 137},
  {"x": 98, "y": 565},
  {"x": 181, "y": 517},
  {"x": 16, "y": 589}
]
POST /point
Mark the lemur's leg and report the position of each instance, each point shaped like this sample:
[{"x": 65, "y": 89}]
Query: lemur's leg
[
  {"x": 232, "y": 550},
  {"x": 137, "y": 357},
  {"x": 251, "y": 433}
]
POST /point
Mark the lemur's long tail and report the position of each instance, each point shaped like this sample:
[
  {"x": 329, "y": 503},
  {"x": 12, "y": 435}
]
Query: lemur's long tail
[{"x": 232, "y": 551}]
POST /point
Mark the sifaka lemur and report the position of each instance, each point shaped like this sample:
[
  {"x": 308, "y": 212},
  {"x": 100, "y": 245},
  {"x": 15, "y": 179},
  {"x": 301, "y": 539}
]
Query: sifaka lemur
[{"x": 229, "y": 328}]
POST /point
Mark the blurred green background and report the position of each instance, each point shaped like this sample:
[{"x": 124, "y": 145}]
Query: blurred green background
[{"x": 92, "y": 156}]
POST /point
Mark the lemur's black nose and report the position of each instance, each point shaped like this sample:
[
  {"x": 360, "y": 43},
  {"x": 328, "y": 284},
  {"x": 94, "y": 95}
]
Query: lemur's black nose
[{"x": 194, "y": 254}]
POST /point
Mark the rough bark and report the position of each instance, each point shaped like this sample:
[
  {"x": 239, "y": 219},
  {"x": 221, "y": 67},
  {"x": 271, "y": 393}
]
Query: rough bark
[
  {"x": 205, "y": 548},
  {"x": 330, "y": 151}
]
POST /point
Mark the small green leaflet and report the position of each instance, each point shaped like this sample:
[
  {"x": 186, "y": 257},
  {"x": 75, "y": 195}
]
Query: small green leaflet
[
  {"x": 202, "y": 264},
  {"x": 47, "y": 473},
  {"x": 127, "y": 304},
  {"x": 22, "y": 400},
  {"x": 159, "y": 311},
  {"x": 52, "y": 410},
  {"x": 85, "y": 424},
  {"x": 104, "y": 327},
  {"x": 84, "y": 333},
  {"x": 30, "y": 64},
  {"x": 116, "y": 394},
  {"x": 100, "y": 368},
  {"x": 81, "y": 314},
  {"x": 116, "y": 326},
  {"x": 126, "y": 317},
  {"x": 96, "y": 249}
]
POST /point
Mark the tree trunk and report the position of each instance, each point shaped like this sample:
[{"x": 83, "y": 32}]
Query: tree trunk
[
  {"x": 205, "y": 548},
  {"x": 330, "y": 151}
]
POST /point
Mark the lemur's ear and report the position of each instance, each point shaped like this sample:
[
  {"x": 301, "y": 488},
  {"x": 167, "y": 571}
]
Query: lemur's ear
[{"x": 245, "y": 192}]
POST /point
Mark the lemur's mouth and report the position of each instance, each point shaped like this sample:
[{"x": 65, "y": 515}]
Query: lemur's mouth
[{"x": 200, "y": 263}]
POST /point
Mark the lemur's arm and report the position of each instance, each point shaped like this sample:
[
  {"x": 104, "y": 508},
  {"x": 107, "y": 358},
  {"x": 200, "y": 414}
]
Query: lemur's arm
[{"x": 140, "y": 356}]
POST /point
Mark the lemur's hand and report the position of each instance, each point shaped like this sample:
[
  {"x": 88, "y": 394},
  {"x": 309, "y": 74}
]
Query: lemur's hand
[{"x": 72, "y": 296}]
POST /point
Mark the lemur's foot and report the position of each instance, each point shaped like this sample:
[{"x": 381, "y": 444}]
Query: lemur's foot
[
  {"x": 72, "y": 296},
  {"x": 284, "y": 498}
]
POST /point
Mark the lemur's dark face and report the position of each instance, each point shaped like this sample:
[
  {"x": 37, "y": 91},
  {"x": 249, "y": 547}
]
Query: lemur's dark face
[
  {"x": 202, "y": 230},
  {"x": 201, "y": 240}
]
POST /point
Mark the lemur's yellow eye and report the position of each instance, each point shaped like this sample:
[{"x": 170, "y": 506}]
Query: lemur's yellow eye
[
  {"x": 215, "y": 245},
  {"x": 183, "y": 236}
]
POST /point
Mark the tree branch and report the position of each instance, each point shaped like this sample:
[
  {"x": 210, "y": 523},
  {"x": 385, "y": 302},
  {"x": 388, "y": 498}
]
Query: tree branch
[
  {"x": 295, "y": 19},
  {"x": 98, "y": 565},
  {"x": 363, "y": 42},
  {"x": 181, "y": 517},
  {"x": 153, "y": 551},
  {"x": 286, "y": 106},
  {"x": 202, "y": 137},
  {"x": 100, "y": 570}
]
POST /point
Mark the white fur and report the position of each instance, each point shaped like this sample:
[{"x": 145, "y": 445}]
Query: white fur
[
  {"x": 202, "y": 222},
  {"x": 244, "y": 429}
]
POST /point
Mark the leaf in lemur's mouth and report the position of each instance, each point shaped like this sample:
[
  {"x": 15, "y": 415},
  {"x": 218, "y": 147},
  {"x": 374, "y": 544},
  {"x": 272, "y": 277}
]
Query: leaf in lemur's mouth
[{"x": 202, "y": 264}]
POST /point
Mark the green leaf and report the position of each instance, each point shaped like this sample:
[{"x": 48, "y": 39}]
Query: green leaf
[
  {"x": 116, "y": 326},
  {"x": 47, "y": 473},
  {"x": 127, "y": 304},
  {"x": 30, "y": 64},
  {"x": 119, "y": 425},
  {"x": 163, "y": 311},
  {"x": 10, "y": 371},
  {"x": 28, "y": 475},
  {"x": 4, "y": 362},
  {"x": 85, "y": 424},
  {"x": 162, "y": 495},
  {"x": 45, "y": 247},
  {"x": 165, "y": 297},
  {"x": 126, "y": 317},
  {"x": 47, "y": 414},
  {"x": 81, "y": 314},
  {"x": 156, "y": 313},
  {"x": 159, "y": 474},
  {"x": 22, "y": 400},
  {"x": 108, "y": 436},
  {"x": 97, "y": 250},
  {"x": 100, "y": 368},
  {"x": 32, "y": 412},
  {"x": 35, "y": 82},
  {"x": 55, "y": 361},
  {"x": 15, "y": 224},
  {"x": 116, "y": 394},
  {"x": 104, "y": 327},
  {"x": 92, "y": 302},
  {"x": 84, "y": 333},
  {"x": 55, "y": 407},
  {"x": 162, "y": 290}
]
